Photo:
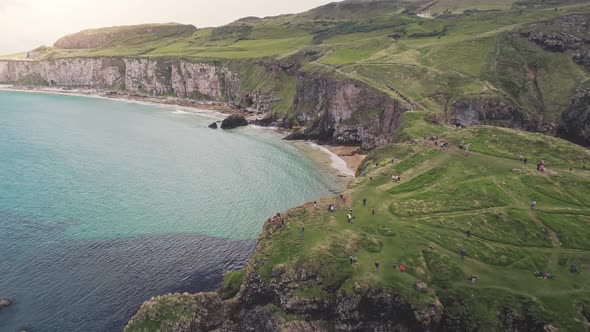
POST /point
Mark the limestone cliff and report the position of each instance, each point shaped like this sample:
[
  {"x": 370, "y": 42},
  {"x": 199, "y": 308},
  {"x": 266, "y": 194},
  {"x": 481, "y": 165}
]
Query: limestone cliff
[
  {"x": 330, "y": 109},
  {"x": 178, "y": 78}
]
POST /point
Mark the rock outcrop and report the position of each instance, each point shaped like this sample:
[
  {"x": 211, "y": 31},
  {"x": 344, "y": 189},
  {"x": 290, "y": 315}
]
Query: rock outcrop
[
  {"x": 234, "y": 121},
  {"x": 213, "y": 125},
  {"x": 276, "y": 303},
  {"x": 570, "y": 33},
  {"x": 345, "y": 111},
  {"x": 258, "y": 302},
  {"x": 574, "y": 124},
  {"x": 490, "y": 111},
  {"x": 5, "y": 303}
]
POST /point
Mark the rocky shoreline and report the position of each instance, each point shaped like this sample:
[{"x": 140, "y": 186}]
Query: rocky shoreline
[{"x": 224, "y": 110}]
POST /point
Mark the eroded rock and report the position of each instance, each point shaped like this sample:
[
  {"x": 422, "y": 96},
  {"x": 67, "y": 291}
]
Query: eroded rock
[
  {"x": 4, "y": 302},
  {"x": 234, "y": 121}
]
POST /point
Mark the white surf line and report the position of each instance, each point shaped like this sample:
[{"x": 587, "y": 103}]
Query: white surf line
[
  {"x": 177, "y": 109},
  {"x": 337, "y": 162}
]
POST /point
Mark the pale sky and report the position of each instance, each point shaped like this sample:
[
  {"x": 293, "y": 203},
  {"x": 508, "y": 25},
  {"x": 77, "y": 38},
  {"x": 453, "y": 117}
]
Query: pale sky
[{"x": 27, "y": 24}]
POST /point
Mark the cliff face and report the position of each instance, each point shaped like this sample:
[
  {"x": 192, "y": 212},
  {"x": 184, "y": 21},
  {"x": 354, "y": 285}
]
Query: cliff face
[
  {"x": 87, "y": 73},
  {"x": 258, "y": 301},
  {"x": 334, "y": 110},
  {"x": 179, "y": 78},
  {"x": 574, "y": 124},
  {"x": 345, "y": 111},
  {"x": 491, "y": 111},
  {"x": 275, "y": 305}
]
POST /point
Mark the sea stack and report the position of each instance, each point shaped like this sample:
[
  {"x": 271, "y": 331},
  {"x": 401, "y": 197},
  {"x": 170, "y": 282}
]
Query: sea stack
[{"x": 234, "y": 121}]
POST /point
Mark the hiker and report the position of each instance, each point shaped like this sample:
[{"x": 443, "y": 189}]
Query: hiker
[
  {"x": 542, "y": 169},
  {"x": 462, "y": 252},
  {"x": 468, "y": 232},
  {"x": 302, "y": 230},
  {"x": 472, "y": 278},
  {"x": 524, "y": 161},
  {"x": 351, "y": 259},
  {"x": 370, "y": 178},
  {"x": 341, "y": 197},
  {"x": 315, "y": 204},
  {"x": 571, "y": 168},
  {"x": 538, "y": 166},
  {"x": 376, "y": 265},
  {"x": 395, "y": 265},
  {"x": 364, "y": 202},
  {"x": 332, "y": 207},
  {"x": 533, "y": 204},
  {"x": 402, "y": 268},
  {"x": 542, "y": 162},
  {"x": 373, "y": 211}
]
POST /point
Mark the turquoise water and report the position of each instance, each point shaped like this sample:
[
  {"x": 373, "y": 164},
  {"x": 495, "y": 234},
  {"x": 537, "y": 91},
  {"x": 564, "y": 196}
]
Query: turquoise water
[{"x": 104, "y": 204}]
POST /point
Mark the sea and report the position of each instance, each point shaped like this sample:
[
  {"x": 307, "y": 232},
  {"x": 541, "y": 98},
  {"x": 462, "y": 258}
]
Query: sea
[{"x": 104, "y": 204}]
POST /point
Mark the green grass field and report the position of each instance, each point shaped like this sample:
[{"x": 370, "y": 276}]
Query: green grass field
[{"x": 422, "y": 221}]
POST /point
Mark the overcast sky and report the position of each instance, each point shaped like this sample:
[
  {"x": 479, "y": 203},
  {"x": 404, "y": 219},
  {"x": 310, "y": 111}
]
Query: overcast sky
[{"x": 26, "y": 24}]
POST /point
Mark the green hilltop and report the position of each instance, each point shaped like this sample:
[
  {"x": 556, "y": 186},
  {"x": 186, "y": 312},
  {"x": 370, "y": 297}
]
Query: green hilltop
[
  {"x": 422, "y": 222},
  {"x": 528, "y": 56}
]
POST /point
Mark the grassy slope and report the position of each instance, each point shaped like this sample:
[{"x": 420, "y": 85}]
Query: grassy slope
[
  {"x": 434, "y": 62},
  {"x": 421, "y": 222}
]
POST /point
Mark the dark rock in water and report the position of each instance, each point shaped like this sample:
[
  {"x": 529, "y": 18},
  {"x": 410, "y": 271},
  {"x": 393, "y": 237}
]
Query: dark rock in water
[
  {"x": 5, "y": 303},
  {"x": 234, "y": 121},
  {"x": 213, "y": 125}
]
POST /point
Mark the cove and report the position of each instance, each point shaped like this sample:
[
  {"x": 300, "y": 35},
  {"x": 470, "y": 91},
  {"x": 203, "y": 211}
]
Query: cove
[{"x": 104, "y": 204}]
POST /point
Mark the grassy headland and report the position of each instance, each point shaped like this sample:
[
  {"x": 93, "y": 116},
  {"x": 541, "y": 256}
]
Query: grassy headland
[{"x": 422, "y": 222}]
